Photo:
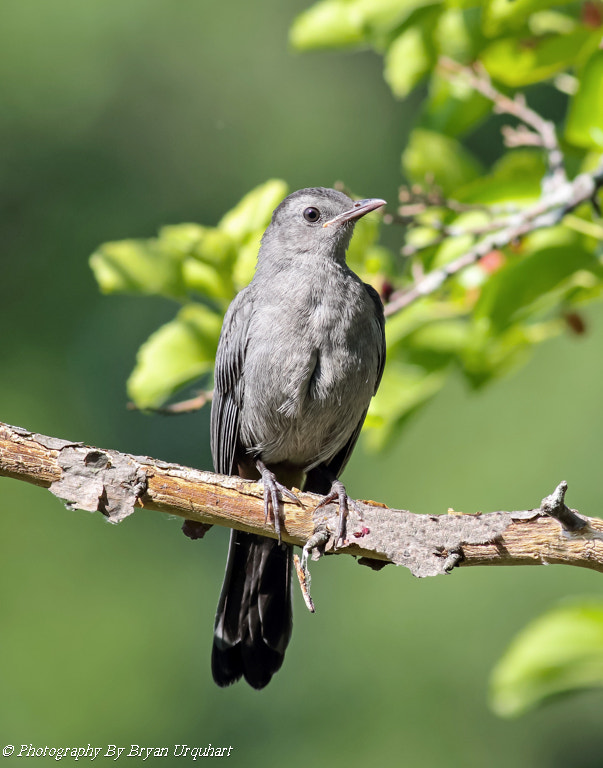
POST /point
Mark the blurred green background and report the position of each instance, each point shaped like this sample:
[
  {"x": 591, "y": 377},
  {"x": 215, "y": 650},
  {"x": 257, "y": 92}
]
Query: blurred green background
[{"x": 117, "y": 118}]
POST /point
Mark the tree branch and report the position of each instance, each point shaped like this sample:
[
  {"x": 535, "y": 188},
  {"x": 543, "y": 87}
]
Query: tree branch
[
  {"x": 559, "y": 197},
  {"x": 182, "y": 406},
  {"x": 116, "y": 484},
  {"x": 545, "y": 135},
  {"x": 547, "y": 212}
]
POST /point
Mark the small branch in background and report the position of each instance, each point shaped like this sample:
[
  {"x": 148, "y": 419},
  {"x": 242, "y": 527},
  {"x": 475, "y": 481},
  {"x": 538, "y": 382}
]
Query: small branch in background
[
  {"x": 437, "y": 277},
  {"x": 520, "y": 137},
  {"x": 417, "y": 200},
  {"x": 183, "y": 406},
  {"x": 560, "y": 196},
  {"x": 545, "y": 134},
  {"x": 410, "y": 249},
  {"x": 547, "y": 212}
]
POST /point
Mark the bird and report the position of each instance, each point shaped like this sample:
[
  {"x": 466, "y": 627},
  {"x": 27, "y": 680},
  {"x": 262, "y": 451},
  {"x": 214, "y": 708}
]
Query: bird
[{"x": 300, "y": 355}]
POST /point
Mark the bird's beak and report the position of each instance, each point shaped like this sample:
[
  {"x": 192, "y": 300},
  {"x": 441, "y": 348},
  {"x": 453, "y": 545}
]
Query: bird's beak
[{"x": 361, "y": 207}]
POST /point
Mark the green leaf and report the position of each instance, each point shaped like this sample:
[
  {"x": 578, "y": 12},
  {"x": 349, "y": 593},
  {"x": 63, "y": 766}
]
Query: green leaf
[
  {"x": 379, "y": 262},
  {"x": 175, "y": 355},
  {"x": 408, "y": 59},
  {"x": 244, "y": 225},
  {"x": 351, "y": 23},
  {"x": 208, "y": 258},
  {"x": 516, "y": 178},
  {"x": 138, "y": 266},
  {"x": 504, "y": 15},
  {"x": 485, "y": 356},
  {"x": 385, "y": 16},
  {"x": 403, "y": 390},
  {"x": 419, "y": 314},
  {"x": 457, "y": 34},
  {"x": 518, "y": 62},
  {"x": 431, "y": 155},
  {"x": 328, "y": 24},
  {"x": 246, "y": 260},
  {"x": 585, "y": 119},
  {"x": 453, "y": 107},
  {"x": 208, "y": 244},
  {"x": 591, "y": 161},
  {"x": 520, "y": 288},
  {"x": 450, "y": 249},
  {"x": 205, "y": 280},
  {"x": 181, "y": 239},
  {"x": 558, "y": 653},
  {"x": 447, "y": 337},
  {"x": 254, "y": 211},
  {"x": 436, "y": 345},
  {"x": 551, "y": 22},
  {"x": 366, "y": 233}
]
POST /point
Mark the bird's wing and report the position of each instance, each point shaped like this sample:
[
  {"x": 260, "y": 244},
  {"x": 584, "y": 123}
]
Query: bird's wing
[
  {"x": 380, "y": 317},
  {"x": 253, "y": 619},
  {"x": 319, "y": 480},
  {"x": 228, "y": 384}
]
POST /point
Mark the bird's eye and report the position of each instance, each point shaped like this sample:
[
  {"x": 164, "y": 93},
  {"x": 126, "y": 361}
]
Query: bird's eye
[{"x": 311, "y": 214}]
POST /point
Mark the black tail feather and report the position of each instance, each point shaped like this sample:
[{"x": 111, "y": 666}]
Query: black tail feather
[{"x": 254, "y": 617}]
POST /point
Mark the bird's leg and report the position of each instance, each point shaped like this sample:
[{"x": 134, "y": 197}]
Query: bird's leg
[
  {"x": 338, "y": 493},
  {"x": 272, "y": 501}
]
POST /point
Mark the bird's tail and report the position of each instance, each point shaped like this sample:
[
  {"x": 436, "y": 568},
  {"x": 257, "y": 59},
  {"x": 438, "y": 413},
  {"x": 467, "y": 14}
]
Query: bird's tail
[{"x": 254, "y": 616}]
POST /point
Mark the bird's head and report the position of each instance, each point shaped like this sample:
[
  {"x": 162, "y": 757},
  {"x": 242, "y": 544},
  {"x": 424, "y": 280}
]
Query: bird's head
[{"x": 316, "y": 219}]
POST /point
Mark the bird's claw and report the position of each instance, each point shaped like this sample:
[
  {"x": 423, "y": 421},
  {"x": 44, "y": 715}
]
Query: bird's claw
[
  {"x": 338, "y": 493},
  {"x": 273, "y": 495}
]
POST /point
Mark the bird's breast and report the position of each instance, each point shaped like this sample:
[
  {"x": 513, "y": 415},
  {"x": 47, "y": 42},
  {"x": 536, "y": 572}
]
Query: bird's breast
[{"x": 310, "y": 372}]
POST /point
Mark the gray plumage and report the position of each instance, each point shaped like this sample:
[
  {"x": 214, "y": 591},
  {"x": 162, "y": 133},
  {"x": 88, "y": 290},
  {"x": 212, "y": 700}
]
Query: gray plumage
[{"x": 301, "y": 353}]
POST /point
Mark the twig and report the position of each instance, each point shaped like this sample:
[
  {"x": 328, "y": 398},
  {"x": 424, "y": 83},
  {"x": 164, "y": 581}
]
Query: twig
[
  {"x": 416, "y": 201},
  {"x": 520, "y": 136},
  {"x": 303, "y": 576},
  {"x": 116, "y": 484},
  {"x": 546, "y": 135},
  {"x": 559, "y": 196},
  {"x": 437, "y": 277},
  {"x": 548, "y": 211},
  {"x": 554, "y": 505},
  {"x": 452, "y": 231},
  {"x": 183, "y": 406}
]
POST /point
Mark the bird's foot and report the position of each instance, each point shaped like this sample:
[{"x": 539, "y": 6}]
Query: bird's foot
[
  {"x": 338, "y": 493},
  {"x": 273, "y": 496}
]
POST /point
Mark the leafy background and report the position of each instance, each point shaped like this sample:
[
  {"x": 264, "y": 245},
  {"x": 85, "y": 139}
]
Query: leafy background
[{"x": 121, "y": 119}]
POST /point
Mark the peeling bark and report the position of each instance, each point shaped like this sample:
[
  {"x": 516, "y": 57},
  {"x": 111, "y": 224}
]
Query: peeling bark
[{"x": 116, "y": 484}]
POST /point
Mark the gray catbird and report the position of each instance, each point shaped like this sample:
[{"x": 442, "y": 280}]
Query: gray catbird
[{"x": 301, "y": 354}]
